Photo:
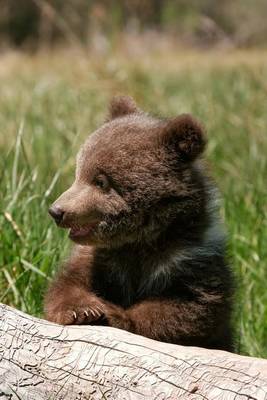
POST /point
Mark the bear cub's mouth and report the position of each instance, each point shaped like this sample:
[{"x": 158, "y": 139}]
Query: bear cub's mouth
[{"x": 78, "y": 232}]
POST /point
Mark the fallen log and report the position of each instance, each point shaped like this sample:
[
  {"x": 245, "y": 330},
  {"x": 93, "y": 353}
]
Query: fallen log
[{"x": 41, "y": 360}]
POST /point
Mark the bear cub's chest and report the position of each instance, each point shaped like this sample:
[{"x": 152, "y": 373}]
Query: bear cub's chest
[
  {"x": 130, "y": 279},
  {"x": 119, "y": 281}
]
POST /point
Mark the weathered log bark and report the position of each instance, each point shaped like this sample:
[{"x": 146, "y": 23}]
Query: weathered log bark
[{"x": 41, "y": 360}]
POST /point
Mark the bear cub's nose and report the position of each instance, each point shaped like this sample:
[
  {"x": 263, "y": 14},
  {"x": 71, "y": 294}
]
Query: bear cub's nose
[{"x": 57, "y": 213}]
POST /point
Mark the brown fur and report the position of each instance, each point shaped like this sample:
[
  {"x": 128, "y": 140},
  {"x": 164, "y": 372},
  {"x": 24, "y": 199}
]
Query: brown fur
[{"x": 149, "y": 253}]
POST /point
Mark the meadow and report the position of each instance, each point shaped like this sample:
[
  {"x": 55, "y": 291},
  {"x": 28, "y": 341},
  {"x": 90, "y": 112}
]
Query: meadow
[{"x": 50, "y": 102}]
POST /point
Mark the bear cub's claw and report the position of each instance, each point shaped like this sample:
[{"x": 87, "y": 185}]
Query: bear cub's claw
[{"x": 79, "y": 315}]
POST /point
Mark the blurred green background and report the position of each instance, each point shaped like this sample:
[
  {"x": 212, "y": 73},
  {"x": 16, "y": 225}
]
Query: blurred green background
[
  {"x": 239, "y": 23},
  {"x": 61, "y": 62}
]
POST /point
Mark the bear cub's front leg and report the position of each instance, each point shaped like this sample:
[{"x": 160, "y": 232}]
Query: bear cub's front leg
[{"x": 67, "y": 303}]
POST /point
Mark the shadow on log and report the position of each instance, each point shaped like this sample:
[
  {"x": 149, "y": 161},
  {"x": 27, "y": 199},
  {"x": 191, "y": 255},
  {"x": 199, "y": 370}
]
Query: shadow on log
[{"x": 40, "y": 360}]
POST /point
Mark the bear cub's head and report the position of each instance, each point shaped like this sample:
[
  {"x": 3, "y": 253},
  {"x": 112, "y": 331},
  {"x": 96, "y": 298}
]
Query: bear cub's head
[{"x": 136, "y": 177}]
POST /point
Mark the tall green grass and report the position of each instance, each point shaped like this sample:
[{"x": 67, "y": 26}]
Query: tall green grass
[{"x": 48, "y": 106}]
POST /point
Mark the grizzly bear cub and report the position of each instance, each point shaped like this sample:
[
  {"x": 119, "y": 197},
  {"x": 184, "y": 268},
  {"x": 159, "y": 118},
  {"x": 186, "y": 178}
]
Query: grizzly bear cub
[{"x": 150, "y": 252}]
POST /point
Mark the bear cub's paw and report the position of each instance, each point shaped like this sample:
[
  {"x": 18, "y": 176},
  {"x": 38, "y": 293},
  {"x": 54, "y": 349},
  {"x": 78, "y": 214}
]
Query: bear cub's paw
[{"x": 86, "y": 311}]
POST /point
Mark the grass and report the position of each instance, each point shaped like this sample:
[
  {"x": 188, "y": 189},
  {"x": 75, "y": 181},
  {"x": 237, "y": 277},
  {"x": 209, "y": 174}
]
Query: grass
[{"x": 50, "y": 102}]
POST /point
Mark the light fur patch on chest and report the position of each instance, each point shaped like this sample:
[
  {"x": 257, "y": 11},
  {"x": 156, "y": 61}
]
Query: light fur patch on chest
[{"x": 177, "y": 262}]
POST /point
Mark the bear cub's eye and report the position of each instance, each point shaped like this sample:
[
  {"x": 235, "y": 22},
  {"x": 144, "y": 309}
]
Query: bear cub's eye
[{"x": 101, "y": 181}]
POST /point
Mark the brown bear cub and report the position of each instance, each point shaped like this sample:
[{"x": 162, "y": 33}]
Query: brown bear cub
[{"x": 149, "y": 253}]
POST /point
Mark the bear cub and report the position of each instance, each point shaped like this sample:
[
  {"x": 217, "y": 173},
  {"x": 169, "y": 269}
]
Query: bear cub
[{"x": 149, "y": 253}]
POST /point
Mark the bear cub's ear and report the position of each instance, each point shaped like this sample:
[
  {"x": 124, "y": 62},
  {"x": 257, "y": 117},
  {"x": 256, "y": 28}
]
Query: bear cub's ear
[
  {"x": 186, "y": 135},
  {"x": 121, "y": 106}
]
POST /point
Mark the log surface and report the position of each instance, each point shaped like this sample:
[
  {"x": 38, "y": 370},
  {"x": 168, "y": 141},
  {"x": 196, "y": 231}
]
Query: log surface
[{"x": 41, "y": 360}]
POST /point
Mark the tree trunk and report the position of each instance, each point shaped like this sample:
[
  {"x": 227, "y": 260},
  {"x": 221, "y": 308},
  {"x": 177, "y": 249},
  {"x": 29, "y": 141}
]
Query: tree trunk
[{"x": 40, "y": 360}]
